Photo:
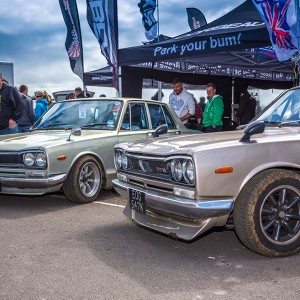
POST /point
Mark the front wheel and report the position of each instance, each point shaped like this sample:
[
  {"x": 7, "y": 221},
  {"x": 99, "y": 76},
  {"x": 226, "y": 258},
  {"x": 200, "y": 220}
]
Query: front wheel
[
  {"x": 84, "y": 181},
  {"x": 267, "y": 213}
]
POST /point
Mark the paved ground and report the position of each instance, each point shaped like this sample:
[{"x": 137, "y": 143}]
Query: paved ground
[{"x": 52, "y": 249}]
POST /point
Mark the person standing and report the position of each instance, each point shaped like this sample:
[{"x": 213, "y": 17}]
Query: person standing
[
  {"x": 213, "y": 112},
  {"x": 246, "y": 110},
  {"x": 11, "y": 108},
  {"x": 41, "y": 105},
  {"x": 27, "y": 119},
  {"x": 182, "y": 102}
]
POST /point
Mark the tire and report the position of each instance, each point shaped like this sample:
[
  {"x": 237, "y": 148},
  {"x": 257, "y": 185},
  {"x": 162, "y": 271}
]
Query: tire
[
  {"x": 84, "y": 181},
  {"x": 267, "y": 213}
]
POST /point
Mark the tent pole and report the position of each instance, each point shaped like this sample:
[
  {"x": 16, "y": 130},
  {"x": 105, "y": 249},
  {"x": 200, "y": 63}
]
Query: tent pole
[
  {"x": 232, "y": 100},
  {"x": 159, "y": 83},
  {"x": 119, "y": 93},
  {"x": 297, "y": 4}
]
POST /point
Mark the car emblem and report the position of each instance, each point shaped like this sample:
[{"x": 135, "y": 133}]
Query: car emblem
[{"x": 144, "y": 166}]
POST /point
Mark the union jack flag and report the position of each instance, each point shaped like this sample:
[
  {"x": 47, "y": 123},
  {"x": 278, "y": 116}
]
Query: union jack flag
[{"x": 280, "y": 18}]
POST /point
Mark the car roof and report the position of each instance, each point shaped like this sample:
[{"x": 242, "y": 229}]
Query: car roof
[{"x": 124, "y": 99}]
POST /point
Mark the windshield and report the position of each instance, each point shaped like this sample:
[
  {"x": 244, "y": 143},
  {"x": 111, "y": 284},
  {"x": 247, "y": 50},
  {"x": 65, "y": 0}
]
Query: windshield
[
  {"x": 87, "y": 114},
  {"x": 285, "y": 109}
]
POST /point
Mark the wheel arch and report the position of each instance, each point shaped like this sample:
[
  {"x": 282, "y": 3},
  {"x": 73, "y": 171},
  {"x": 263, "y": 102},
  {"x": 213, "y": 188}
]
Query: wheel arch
[
  {"x": 99, "y": 160},
  {"x": 257, "y": 171}
]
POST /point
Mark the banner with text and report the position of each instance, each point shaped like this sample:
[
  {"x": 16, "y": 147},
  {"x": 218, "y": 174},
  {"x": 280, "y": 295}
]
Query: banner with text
[
  {"x": 196, "y": 18},
  {"x": 73, "y": 40},
  {"x": 102, "y": 16},
  {"x": 147, "y": 8}
]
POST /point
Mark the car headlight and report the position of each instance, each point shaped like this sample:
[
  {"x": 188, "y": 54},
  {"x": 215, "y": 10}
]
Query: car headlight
[
  {"x": 176, "y": 169},
  {"x": 188, "y": 171},
  {"x": 29, "y": 159},
  {"x": 124, "y": 161},
  {"x": 121, "y": 160},
  {"x": 41, "y": 160},
  {"x": 118, "y": 159},
  {"x": 35, "y": 159}
]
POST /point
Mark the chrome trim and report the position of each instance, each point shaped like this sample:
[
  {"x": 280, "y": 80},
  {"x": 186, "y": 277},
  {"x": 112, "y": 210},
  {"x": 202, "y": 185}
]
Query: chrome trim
[
  {"x": 34, "y": 183},
  {"x": 171, "y": 214}
]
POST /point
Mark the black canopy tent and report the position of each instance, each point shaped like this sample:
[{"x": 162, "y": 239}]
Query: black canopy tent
[{"x": 228, "y": 47}]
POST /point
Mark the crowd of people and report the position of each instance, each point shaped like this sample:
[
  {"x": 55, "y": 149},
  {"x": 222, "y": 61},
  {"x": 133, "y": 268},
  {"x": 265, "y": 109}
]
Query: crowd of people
[
  {"x": 208, "y": 117},
  {"x": 18, "y": 111}
]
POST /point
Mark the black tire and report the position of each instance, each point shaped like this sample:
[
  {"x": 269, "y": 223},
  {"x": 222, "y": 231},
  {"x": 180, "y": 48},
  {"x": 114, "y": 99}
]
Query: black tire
[
  {"x": 84, "y": 181},
  {"x": 267, "y": 213}
]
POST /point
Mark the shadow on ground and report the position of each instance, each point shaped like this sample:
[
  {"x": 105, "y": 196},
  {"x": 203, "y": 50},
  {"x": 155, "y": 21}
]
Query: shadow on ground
[
  {"x": 166, "y": 265},
  {"x": 15, "y": 206}
]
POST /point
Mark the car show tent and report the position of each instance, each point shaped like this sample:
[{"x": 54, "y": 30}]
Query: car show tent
[{"x": 237, "y": 45}]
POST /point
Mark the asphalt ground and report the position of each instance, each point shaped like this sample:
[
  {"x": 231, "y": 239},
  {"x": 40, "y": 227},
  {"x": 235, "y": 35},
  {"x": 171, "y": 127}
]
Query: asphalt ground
[{"x": 53, "y": 249}]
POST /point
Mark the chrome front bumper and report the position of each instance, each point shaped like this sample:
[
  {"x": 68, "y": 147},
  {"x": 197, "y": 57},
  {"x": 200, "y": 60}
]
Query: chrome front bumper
[
  {"x": 175, "y": 216},
  {"x": 33, "y": 183}
]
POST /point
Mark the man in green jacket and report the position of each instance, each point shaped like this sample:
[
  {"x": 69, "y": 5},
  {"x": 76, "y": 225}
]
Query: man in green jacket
[{"x": 214, "y": 108}]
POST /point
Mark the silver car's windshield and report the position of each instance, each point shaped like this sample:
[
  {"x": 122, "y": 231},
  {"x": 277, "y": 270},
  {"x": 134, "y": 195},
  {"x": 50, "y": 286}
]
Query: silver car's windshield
[
  {"x": 87, "y": 114},
  {"x": 284, "y": 111}
]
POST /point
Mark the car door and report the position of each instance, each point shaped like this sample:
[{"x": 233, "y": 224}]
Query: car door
[
  {"x": 159, "y": 115},
  {"x": 134, "y": 124}
]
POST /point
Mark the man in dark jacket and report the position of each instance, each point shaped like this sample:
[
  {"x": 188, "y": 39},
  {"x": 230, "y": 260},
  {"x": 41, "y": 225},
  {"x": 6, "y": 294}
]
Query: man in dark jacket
[
  {"x": 246, "y": 109},
  {"x": 11, "y": 108},
  {"x": 27, "y": 118}
]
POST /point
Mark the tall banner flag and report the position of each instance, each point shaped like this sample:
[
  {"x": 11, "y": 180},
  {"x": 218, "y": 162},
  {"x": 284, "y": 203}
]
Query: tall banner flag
[
  {"x": 102, "y": 16},
  {"x": 196, "y": 18},
  {"x": 73, "y": 40},
  {"x": 147, "y": 8},
  {"x": 280, "y": 18}
]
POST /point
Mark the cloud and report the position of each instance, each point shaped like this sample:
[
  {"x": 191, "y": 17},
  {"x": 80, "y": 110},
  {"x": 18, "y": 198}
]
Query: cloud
[{"x": 32, "y": 36}]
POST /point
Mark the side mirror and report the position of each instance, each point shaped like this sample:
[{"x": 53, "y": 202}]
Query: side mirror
[
  {"x": 162, "y": 129},
  {"x": 251, "y": 129},
  {"x": 76, "y": 132}
]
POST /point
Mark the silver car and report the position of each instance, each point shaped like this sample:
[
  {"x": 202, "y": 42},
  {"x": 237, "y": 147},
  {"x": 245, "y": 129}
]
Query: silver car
[
  {"x": 71, "y": 146},
  {"x": 185, "y": 185}
]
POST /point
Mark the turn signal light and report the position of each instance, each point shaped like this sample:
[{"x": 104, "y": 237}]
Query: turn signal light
[
  {"x": 62, "y": 157},
  {"x": 224, "y": 170}
]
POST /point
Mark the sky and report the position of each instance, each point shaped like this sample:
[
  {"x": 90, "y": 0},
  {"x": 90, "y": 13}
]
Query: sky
[{"x": 33, "y": 33}]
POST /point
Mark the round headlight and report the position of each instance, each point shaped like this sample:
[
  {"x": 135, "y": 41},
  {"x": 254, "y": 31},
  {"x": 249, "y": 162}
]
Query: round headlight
[
  {"x": 41, "y": 160},
  {"x": 118, "y": 159},
  {"x": 29, "y": 159},
  {"x": 188, "y": 171},
  {"x": 176, "y": 168},
  {"x": 124, "y": 161}
]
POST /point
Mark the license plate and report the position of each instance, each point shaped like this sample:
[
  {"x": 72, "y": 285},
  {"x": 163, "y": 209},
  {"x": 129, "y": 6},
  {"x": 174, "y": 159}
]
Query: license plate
[{"x": 137, "y": 201}]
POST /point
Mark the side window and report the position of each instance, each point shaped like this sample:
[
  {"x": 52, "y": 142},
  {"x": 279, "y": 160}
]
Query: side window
[
  {"x": 170, "y": 121},
  {"x": 138, "y": 116},
  {"x": 159, "y": 115},
  {"x": 126, "y": 120},
  {"x": 135, "y": 117},
  {"x": 156, "y": 115}
]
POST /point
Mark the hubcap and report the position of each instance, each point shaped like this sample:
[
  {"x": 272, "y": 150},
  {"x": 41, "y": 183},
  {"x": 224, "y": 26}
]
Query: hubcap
[
  {"x": 89, "y": 179},
  {"x": 280, "y": 215}
]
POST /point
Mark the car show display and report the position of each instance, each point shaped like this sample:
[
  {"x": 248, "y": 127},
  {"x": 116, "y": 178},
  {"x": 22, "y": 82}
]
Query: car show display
[
  {"x": 185, "y": 185},
  {"x": 71, "y": 146}
]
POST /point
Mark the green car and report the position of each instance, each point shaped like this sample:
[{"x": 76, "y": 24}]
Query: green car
[{"x": 71, "y": 146}]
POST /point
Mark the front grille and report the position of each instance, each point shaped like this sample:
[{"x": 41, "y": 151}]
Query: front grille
[
  {"x": 152, "y": 167},
  {"x": 11, "y": 159}
]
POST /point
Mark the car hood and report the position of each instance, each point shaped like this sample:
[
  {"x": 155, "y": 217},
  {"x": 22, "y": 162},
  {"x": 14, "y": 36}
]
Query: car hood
[
  {"x": 46, "y": 139},
  {"x": 188, "y": 143}
]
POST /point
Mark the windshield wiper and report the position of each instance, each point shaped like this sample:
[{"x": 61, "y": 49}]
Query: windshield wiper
[
  {"x": 272, "y": 122},
  {"x": 292, "y": 122},
  {"x": 94, "y": 125},
  {"x": 54, "y": 126}
]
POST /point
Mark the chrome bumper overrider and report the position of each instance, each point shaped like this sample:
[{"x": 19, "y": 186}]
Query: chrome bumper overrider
[
  {"x": 33, "y": 183},
  {"x": 175, "y": 216}
]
